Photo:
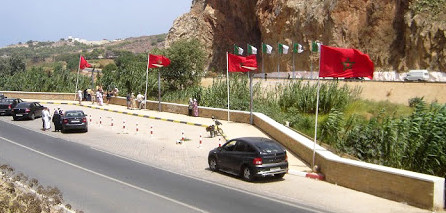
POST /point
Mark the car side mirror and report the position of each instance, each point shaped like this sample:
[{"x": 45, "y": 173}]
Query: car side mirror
[
  {"x": 85, "y": 115},
  {"x": 219, "y": 148}
]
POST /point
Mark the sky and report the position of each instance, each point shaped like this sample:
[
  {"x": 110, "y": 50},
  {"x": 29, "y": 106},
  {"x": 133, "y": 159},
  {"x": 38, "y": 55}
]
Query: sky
[{"x": 51, "y": 20}]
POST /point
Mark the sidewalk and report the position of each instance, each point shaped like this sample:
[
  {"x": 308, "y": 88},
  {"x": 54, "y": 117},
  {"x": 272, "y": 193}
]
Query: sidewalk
[{"x": 231, "y": 129}]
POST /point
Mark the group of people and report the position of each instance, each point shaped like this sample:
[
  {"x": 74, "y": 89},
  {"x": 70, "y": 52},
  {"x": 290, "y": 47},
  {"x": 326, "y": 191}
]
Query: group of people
[
  {"x": 193, "y": 107},
  {"x": 140, "y": 103},
  {"x": 98, "y": 96},
  {"x": 56, "y": 119}
]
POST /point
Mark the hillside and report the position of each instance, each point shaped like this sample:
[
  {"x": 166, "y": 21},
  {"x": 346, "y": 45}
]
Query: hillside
[
  {"x": 398, "y": 35},
  {"x": 36, "y": 52}
]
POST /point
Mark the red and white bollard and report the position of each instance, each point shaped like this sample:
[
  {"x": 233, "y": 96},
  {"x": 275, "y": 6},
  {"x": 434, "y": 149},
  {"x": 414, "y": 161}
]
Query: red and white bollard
[
  {"x": 100, "y": 120},
  {"x": 90, "y": 119},
  {"x": 199, "y": 145},
  {"x": 123, "y": 126},
  {"x": 182, "y": 136},
  {"x": 111, "y": 124},
  {"x": 137, "y": 128},
  {"x": 219, "y": 142},
  {"x": 151, "y": 131}
]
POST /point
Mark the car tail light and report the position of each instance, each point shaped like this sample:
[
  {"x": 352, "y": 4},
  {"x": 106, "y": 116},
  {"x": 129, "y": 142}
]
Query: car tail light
[
  {"x": 9, "y": 106},
  {"x": 65, "y": 121},
  {"x": 286, "y": 157},
  {"x": 27, "y": 110},
  {"x": 84, "y": 120},
  {"x": 257, "y": 161}
]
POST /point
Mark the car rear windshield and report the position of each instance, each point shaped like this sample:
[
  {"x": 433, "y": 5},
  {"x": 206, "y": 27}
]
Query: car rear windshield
[
  {"x": 74, "y": 114},
  {"x": 269, "y": 147},
  {"x": 23, "y": 105}
]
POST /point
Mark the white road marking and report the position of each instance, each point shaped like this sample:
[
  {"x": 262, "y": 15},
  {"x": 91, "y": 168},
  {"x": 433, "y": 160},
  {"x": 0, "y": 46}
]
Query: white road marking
[
  {"x": 214, "y": 183},
  {"x": 105, "y": 176}
]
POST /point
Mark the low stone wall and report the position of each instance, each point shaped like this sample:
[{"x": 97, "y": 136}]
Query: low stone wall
[
  {"x": 420, "y": 190},
  {"x": 40, "y": 95}
]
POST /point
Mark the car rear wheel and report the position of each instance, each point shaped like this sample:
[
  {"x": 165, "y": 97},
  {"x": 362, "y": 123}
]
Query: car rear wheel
[
  {"x": 279, "y": 176},
  {"x": 15, "y": 118},
  {"x": 247, "y": 173},
  {"x": 32, "y": 116},
  {"x": 213, "y": 164}
]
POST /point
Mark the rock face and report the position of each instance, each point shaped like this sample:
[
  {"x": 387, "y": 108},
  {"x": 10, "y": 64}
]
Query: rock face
[{"x": 395, "y": 37}]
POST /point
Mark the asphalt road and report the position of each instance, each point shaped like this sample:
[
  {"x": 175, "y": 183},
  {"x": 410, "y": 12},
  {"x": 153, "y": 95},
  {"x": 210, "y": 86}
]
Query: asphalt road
[{"x": 95, "y": 181}]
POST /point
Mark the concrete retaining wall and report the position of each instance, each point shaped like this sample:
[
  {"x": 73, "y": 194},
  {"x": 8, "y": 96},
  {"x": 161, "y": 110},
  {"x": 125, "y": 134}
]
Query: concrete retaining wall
[{"x": 420, "y": 190}]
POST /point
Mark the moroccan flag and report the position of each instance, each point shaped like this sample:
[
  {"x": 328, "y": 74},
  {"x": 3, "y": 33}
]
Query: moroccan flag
[
  {"x": 156, "y": 61},
  {"x": 241, "y": 64},
  {"x": 83, "y": 63},
  {"x": 283, "y": 49},
  {"x": 339, "y": 62}
]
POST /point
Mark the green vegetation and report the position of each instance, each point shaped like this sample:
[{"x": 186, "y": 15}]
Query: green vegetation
[
  {"x": 378, "y": 132},
  {"x": 430, "y": 7}
]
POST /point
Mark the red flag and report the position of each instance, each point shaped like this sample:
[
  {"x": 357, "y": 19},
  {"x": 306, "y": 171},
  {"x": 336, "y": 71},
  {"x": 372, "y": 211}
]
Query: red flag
[
  {"x": 156, "y": 61},
  {"x": 339, "y": 62},
  {"x": 83, "y": 63},
  {"x": 241, "y": 64}
]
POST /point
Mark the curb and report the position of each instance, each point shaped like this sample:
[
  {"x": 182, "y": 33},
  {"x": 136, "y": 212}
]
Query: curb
[
  {"x": 126, "y": 113},
  {"x": 317, "y": 176}
]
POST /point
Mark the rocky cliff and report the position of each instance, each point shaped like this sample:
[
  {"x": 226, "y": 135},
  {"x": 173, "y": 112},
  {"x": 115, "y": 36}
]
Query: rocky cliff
[{"x": 397, "y": 35}]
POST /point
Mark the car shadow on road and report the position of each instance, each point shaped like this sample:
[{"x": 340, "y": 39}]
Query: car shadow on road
[{"x": 267, "y": 179}]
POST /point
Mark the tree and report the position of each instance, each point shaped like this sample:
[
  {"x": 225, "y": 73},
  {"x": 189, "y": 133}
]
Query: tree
[{"x": 187, "y": 64}]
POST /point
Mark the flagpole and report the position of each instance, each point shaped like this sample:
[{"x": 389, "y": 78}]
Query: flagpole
[
  {"x": 294, "y": 68},
  {"x": 317, "y": 112},
  {"x": 278, "y": 60},
  {"x": 147, "y": 80},
  {"x": 159, "y": 90},
  {"x": 77, "y": 77},
  {"x": 250, "y": 92},
  {"x": 227, "y": 79},
  {"x": 263, "y": 70}
]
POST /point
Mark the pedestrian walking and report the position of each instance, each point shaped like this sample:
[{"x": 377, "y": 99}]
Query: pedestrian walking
[{"x": 108, "y": 96}]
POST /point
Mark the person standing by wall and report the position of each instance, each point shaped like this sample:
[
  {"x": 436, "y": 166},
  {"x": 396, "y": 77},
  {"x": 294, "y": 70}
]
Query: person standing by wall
[
  {"x": 190, "y": 108},
  {"x": 195, "y": 105},
  {"x": 79, "y": 96}
]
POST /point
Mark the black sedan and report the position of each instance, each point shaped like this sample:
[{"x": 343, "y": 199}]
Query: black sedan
[
  {"x": 74, "y": 120},
  {"x": 250, "y": 157},
  {"x": 30, "y": 110},
  {"x": 7, "y": 104}
]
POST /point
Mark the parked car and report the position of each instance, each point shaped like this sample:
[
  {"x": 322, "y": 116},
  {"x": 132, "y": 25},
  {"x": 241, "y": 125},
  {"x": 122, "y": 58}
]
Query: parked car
[
  {"x": 7, "y": 104},
  {"x": 30, "y": 110},
  {"x": 74, "y": 120},
  {"x": 250, "y": 157}
]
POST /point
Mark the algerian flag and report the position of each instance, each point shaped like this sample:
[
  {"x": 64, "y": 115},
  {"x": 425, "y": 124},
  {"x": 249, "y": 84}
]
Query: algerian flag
[
  {"x": 283, "y": 49},
  {"x": 252, "y": 50},
  {"x": 297, "y": 48},
  {"x": 238, "y": 50},
  {"x": 315, "y": 46},
  {"x": 267, "y": 49}
]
